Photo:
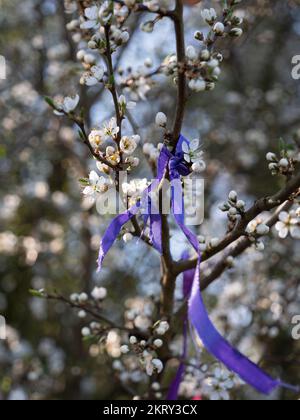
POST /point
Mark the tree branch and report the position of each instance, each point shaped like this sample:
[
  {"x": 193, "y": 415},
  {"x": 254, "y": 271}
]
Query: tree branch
[
  {"x": 181, "y": 83},
  {"x": 239, "y": 248},
  {"x": 264, "y": 204}
]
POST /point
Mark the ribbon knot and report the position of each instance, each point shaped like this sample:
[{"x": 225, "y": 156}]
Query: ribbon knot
[{"x": 178, "y": 165}]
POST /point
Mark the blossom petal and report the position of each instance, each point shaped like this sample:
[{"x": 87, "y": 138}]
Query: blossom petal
[
  {"x": 88, "y": 191},
  {"x": 283, "y": 233},
  {"x": 91, "y": 12},
  {"x": 97, "y": 72},
  {"x": 194, "y": 145},
  {"x": 185, "y": 148},
  {"x": 94, "y": 178},
  {"x": 88, "y": 24},
  {"x": 187, "y": 158},
  {"x": 91, "y": 81},
  {"x": 284, "y": 216},
  {"x": 295, "y": 232},
  {"x": 71, "y": 103}
]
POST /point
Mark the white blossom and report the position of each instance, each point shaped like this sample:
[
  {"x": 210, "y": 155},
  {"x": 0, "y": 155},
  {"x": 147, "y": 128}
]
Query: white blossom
[
  {"x": 191, "y": 52},
  {"x": 96, "y": 138},
  {"x": 213, "y": 63},
  {"x": 289, "y": 223},
  {"x": 99, "y": 293},
  {"x": 133, "y": 340},
  {"x": 93, "y": 76},
  {"x": 158, "y": 365},
  {"x": 89, "y": 59},
  {"x": 256, "y": 227},
  {"x": 125, "y": 105},
  {"x": 124, "y": 349},
  {"x": 82, "y": 314},
  {"x": 284, "y": 163},
  {"x": 199, "y": 166},
  {"x": 105, "y": 12},
  {"x": 97, "y": 185},
  {"x": 209, "y": 15},
  {"x": 158, "y": 343},
  {"x": 69, "y": 104},
  {"x": 262, "y": 229},
  {"x": 192, "y": 152},
  {"x": 217, "y": 387},
  {"x": 271, "y": 157},
  {"x": 127, "y": 237},
  {"x": 233, "y": 196},
  {"x": 132, "y": 161},
  {"x": 111, "y": 129},
  {"x": 85, "y": 332},
  {"x": 91, "y": 14},
  {"x": 237, "y": 32},
  {"x": 219, "y": 28},
  {"x": 128, "y": 145},
  {"x": 162, "y": 328},
  {"x": 83, "y": 298},
  {"x": 153, "y": 365},
  {"x": 161, "y": 119},
  {"x": 197, "y": 85}
]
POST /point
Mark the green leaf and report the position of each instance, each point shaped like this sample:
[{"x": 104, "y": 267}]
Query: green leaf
[
  {"x": 81, "y": 135},
  {"x": 36, "y": 293},
  {"x": 111, "y": 79},
  {"x": 282, "y": 145},
  {"x": 49, "y": 101},
  {"x": 84, "y": 181},
  {"x": 2, "y": 152}
]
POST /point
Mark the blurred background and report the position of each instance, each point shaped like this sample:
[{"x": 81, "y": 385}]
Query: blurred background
[{"x": 49, "y": 235}]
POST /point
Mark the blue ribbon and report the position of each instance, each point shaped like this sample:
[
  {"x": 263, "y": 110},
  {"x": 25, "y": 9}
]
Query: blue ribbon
[{"x": 197, "y": 315}]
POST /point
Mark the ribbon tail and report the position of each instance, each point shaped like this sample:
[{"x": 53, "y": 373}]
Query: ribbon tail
[
  {"x": 113, "y": 232},
  {"x": 220, "y": 348},
  {"x": 156, "y": 231}
]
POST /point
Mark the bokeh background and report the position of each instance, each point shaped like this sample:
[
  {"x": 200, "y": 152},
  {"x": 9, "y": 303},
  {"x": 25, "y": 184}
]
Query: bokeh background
[{"x": 49, "y": 235}]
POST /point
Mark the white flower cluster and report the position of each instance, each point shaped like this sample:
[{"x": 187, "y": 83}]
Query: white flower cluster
[
  {"x": 233, "y": 206},
  {"x": 202, "y": 67},
  {"x": 219, "y": 28},
  {"x": 96, "y": 185},
  {"x": 82, "y": 299},
  {"x": 217, "y": 387},
  {"x": 146, "y": 350},
  {"x": 109, "y": 132},
  {"x": 285, "y": 164},
  {"x": 94, "y": 19}
]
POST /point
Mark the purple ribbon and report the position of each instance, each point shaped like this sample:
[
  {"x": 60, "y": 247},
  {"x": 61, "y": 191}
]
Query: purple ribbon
[{"x": 197, "y": 315}]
